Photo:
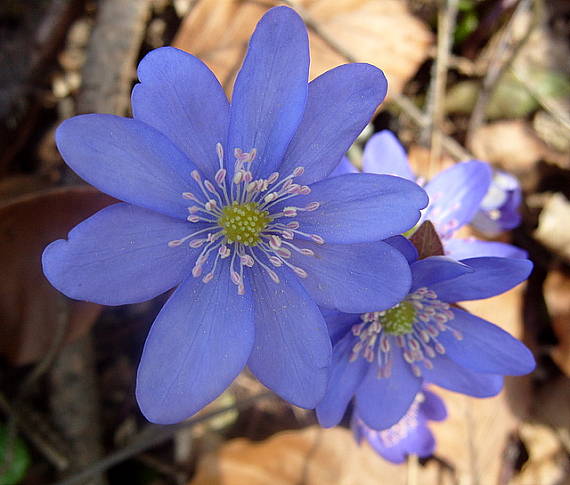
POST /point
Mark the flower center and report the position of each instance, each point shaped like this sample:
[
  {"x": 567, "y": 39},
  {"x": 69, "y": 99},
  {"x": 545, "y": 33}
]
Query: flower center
[
  {"x": 244, "y": 219},
  {"x": 400, "y": 319},
  {"x": 411, "y": 327},
  {"x": 243, "y": 223}
]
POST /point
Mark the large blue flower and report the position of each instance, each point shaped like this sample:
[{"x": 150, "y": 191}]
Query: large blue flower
[
  {"x": 382, "y": 358},
  {"x": 230, "y": 202},
  {"x": 410, "y": 435},
  {"x": 456, "y": 195}
]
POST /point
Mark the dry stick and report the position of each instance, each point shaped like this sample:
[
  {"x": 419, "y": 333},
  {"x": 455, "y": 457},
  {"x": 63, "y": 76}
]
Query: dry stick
[
  {"x": 401, "y": 101},
  {"x": 153, "y": 436},
  {"x": 412, "y": 469},
  {"x": 446, "y": 19},
  {"x": 498, "y": 66},
  {"x": 15, "y": 417},
  {"x": 35, "y": 433},
  {"x": 562, "y": 118},
  {"x": 471, "y": 446}
]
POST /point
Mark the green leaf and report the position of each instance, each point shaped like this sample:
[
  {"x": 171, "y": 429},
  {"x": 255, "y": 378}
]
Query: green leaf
[{"x": 18, "y": 456}]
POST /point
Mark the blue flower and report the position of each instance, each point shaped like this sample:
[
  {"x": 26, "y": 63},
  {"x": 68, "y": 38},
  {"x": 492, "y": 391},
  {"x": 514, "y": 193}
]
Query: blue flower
[
  {"x": 382, "y": 358},
  {"x": 456, "y": 195},
  {"x": 498, "y": 211},
  {"x": 410, "y": 435},
  {"x": 231, "y": 204}
]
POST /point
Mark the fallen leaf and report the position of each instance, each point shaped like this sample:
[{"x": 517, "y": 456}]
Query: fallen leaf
[
  {"x": 556, "y": 291},
  {"x": 17, "y": 185},
  {"x": 475, "y": 435},
  {"x": 551, "y": 408},
  {"x": 29, "y": 305},
  {"x": 546, "y": 462},
  {"x": 427, "y": 241},
  {"x": 312, "y": 456},
  {"x": 423, "y": 164},
  {"x": 382, "y": 33},
  {"x": 553, "y": 230},
  {"x": 511, "y": 144}
]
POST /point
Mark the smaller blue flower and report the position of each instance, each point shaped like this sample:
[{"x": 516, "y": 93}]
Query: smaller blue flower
[
  {"x": 499, "y": 208},
  {"x": 410, "y": 435},
  {"x": 456, "y": 195},
  {"x": 383, "y": 358}
]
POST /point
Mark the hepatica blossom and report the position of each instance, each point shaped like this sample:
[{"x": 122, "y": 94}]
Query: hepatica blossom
[
  {"x": 382, "y": 358},
  {"x": 498, "y": 211},
  {"x": 409, "y": 436},
  {"x": 231, "y": 204},
  {"x": 457, "y": 196}
]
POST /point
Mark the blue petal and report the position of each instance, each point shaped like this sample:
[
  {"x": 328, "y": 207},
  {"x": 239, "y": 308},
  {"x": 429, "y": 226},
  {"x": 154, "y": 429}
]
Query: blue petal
[
  {"x": 456, "y": 193},
  {"x": 129, "y": 160},
  {"x": 344, "y": 167},
  {"x": 344, "y": 378},
  {"x": 198, "y": 344},
  {"x": 381, "y": 402},
  {"x": 491, "y": 277},
  {"x": 472, "y": 248},
  {"x": 449, "y": 375},
  {"x": 430, "y": 271},
  {"x": 433, "y": 407},
  {"x": 419, "y": 441},
  {"x": 339, "y": 323},
  {"x": 181, "y": 97},
  {"x": 270, "y": 90},
  {"x": 404, "y": 246},
  {"x": 361, "y": 207},
  {"x": 292, "y": 350},
  {"x": 330, "y": 127},
  {"x": 120, "y": 255},
  {"x": 384, "y": 154},
  {"x": 354, "y": 278},
  {"x": 485, "y": 347}
]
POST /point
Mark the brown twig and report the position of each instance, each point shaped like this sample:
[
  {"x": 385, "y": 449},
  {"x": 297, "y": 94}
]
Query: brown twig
[
  {"x": 152, "y": 436},
  {"x": 447, "y": 16},
  {"x": 37, "y": 432},
  {"x": 15, "y": 417},
  {"x": 499, "y": 63},
  {"x": 561, "y": 118},
  {"x": 401, "y": 101},
  {"x": 412, "y": 469}
]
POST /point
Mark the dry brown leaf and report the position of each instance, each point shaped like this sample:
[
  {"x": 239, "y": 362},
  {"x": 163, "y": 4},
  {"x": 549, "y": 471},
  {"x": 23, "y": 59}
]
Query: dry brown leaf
[
  {"x": 17, "y": 185},
  {"x": 427, "y": 241},
  {"x": 553, "y": 230},
  {"x": 551, "y": 407},
  {"x": 545, "y": 464},
  {"x": 382, "y": 33},
  {"x": 313, "y": 456},
  {"x": 474, "y": 437},
  {"x": 420, "y": 159},
  {"x": 510, "y": 144},
  {"x": 29, "y": 306},
  {"x": 556, "y": 291}
]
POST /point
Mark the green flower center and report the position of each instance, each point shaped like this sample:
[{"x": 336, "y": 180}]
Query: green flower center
[
  {"x": 399, "y": 320},
  {"x": 243, "y": 223}
]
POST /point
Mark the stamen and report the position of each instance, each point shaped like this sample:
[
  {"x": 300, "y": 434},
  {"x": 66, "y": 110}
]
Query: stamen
[{"x": 411, "y": 327}]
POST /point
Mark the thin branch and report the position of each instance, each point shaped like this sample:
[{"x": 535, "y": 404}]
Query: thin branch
[
  {"x": 498, "y": 64},
  {"x": 401, "y": 101},
  {"x": 446, "y": 19},
  {"x": 152, "y": 436},
  {"x": 546, "y": 103},
  {"x": 13, "y": 411}
]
